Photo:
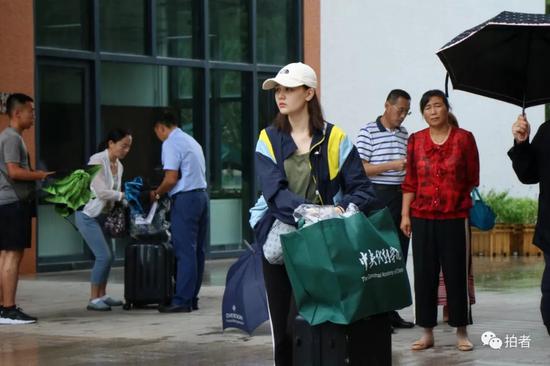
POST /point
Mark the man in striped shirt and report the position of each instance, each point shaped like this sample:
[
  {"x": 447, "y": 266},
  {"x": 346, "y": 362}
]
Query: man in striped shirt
[{"x": 382, "y": 145}]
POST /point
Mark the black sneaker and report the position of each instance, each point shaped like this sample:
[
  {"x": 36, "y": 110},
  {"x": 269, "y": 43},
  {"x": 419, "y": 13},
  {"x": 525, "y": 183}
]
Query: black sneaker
[{"x": 15, "y": 316}]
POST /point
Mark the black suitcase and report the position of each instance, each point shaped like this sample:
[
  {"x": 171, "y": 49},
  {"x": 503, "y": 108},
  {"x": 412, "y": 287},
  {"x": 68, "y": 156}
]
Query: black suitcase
[
  {"x": 148, "y": 274},
  {"x": 365, "y": 342}
]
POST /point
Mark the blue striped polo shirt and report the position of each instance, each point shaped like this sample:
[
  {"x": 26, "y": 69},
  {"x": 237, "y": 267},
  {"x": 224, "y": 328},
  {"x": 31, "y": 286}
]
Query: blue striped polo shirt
[{"x": 378, "y": 145}]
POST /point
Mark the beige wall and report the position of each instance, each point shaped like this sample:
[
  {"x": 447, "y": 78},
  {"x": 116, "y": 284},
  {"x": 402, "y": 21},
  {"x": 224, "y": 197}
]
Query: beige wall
[
  {"x": 17, "y": 75},
  {"x": 312, "y": 36}
]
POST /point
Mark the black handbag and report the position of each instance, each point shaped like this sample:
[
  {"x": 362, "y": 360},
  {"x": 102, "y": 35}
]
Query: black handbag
[{"x": 116, "y": 222}]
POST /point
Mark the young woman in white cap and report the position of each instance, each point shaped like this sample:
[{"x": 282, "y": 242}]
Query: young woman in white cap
[{"x": 300, "y": 158}]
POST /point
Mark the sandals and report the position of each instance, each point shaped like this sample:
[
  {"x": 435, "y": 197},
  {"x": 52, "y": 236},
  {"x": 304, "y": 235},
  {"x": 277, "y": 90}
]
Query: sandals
[
  {"x": 420, "y": 345},
  {"x": 465, "y": 347}
]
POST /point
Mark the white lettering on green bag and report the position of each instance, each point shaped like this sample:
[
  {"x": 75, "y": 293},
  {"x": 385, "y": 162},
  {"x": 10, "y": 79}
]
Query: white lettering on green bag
[{"x": 375, "y": 258}]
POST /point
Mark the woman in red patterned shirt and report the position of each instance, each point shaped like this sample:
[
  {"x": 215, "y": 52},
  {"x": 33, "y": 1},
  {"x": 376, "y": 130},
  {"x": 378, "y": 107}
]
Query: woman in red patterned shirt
[{"x": 442, "y": 170}]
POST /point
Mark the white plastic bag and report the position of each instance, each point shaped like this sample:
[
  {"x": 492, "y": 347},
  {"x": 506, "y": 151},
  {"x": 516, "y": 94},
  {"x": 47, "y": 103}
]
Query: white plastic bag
[{"x": 273, "y": 250}]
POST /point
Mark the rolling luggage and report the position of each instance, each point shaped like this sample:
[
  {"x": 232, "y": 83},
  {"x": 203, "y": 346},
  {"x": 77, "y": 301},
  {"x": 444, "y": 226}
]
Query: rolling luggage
[
  {"x": 148, "y": 273},
  {"x": 365, "y": 342}
]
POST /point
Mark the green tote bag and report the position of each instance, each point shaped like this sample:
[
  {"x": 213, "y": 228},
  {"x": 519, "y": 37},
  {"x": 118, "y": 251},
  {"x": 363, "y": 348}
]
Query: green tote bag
[{"x": 345, "y": 269}]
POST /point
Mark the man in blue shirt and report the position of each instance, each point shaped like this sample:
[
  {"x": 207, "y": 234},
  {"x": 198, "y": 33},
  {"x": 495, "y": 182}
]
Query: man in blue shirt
[{"x": 185, "y": 182}]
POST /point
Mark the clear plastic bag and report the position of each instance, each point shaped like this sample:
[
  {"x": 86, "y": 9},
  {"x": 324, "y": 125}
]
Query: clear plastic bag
[
  {"x": 307, "y": 214},
  {"x": 154, "y": 223}
]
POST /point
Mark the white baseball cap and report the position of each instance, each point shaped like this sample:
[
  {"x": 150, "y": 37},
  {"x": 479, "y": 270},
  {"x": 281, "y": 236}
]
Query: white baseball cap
[{"x": 291, "y": 76}]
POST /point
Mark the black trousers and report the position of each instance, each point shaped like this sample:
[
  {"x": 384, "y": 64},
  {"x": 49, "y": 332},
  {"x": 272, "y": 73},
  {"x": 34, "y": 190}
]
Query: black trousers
[
  {"x": 545, "y": 288},
  {"x": 441, "y": 244},
  {"x": 282, "y": 311},
  {"x": 392, "y": 197}
]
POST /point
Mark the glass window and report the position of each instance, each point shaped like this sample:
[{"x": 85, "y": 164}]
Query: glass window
[
  {"x": 226, "y": 129},
  {"x": 62, "y": 119},
  {"x": 267, "y": 108},
  {"x": 122, "y": 26},
  {"x": 178, "y": 28},
  {"x": 63, "y": 23},
  {"x": 61, "y": 147},
  {"x": 230, "y": 146},
  {"x": 131, "y": 94},
  {"x": 276, "y": 31},
  {"x": 229, "y": 30}
]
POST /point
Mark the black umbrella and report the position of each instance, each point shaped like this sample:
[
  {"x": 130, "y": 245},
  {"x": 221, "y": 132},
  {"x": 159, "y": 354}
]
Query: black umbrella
[{"x": 505, "y": 58}]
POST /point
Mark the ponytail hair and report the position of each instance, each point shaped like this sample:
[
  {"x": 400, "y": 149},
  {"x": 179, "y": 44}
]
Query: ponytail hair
[{"x": 115, "y": 135}]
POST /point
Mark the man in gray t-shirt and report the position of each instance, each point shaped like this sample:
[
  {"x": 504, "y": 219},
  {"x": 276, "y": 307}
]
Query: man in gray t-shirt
[
  {"x": 16, "y": 182},
  {"x": 12, "y": 150}
]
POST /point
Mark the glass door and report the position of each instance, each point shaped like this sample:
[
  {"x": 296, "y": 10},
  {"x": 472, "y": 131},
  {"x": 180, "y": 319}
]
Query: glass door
[
  {"x": 231, "y": 156},
  {"x": 63, "y": 142}
]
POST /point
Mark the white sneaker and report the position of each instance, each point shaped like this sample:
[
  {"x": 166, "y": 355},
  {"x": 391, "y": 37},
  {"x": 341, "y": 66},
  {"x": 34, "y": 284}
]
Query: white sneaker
[{"x": 112, "y": 302}]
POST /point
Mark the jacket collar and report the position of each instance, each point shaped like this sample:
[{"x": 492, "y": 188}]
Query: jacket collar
[
  {"x": 288, "y": 147},
  {"x": 318, "y": 135}
]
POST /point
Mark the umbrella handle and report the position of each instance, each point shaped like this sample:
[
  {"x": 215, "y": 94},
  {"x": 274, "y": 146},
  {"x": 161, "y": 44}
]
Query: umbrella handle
[
  {"x": 447, "y": 85},
  {"x": 249, "y": 246}
]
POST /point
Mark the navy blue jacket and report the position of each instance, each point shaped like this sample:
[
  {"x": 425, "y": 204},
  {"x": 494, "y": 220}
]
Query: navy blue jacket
[{"x": 336, "y": 168}]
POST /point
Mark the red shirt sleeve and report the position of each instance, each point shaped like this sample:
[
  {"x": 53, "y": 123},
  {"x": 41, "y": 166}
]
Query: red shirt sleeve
[{"x": 411, "y": 179}]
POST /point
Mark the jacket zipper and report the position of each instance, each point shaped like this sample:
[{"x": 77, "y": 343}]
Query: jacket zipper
[{"x": 314, "y": 171}]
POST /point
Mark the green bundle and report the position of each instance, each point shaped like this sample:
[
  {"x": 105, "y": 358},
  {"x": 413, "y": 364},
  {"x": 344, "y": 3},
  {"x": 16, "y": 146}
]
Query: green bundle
[{"x": 71, "y": 192}]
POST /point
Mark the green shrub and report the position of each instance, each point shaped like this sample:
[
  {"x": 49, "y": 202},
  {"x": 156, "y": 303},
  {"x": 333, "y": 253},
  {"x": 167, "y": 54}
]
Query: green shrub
[{"x": 511, "y": 210}]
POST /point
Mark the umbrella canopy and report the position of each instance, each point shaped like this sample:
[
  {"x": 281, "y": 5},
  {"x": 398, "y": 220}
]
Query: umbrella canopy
[
  {"x": 244, "y": 304},
  {"x": 504, "y": 58},
  {"x": 72, "y": 192}
]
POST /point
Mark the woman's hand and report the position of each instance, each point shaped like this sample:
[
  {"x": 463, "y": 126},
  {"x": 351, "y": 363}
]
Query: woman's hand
[{"x": 406, "y": 226}]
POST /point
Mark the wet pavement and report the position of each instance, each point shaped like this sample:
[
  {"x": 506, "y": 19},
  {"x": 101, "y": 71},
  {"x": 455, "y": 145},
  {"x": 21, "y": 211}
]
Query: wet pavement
[{"x": 507, "y": 292}]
